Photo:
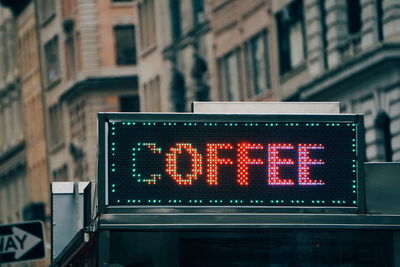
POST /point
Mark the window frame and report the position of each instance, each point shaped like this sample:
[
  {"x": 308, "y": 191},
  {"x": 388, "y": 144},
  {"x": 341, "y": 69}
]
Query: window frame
[
  {"x": 77, "y": 123},
  {"x": 354, "y": 29},
  {"x": 176, "y": 19},
  {"x": 225, "y": 76},
  {"x": 56, "y": 135},
  {"x": 47, "y": 11},
  {"x": 123, "y": 98},
  {"x": 383, "y": 129},
  {"x": 147, "y": 24},
  {"x": 198, "y": 7},
  {"x": 48, "y": 46},
  {"x": 120, "y": 46},
  {"x": 70, "y": 58},
  {"x": 324, "y": 32},
  {"x": 252, "y": 88},
  {"x": 379, "y": 18},
  {"x": 289, "y": 16}
]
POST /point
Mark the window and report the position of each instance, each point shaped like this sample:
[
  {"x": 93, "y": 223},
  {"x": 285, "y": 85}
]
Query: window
[
  {"x": 257, "y": 68},
  {"x": 30, "y": 42},
  {"x": 292, "y": 49},
  {"x": 230, "y": 76},
  {"x": 288, "y": 247},
  {"x": 78, "y": 120},
  {"x": 16, "y": 105},
  {"x": 198, "y": 11},
  {"x": 52, "y": 61},
  {"x": 129, "y": 103},
  {"x": 379, "y": 18},
  {"x": 80, "y": 164},
  {"x": 47, "y": 9},
  {"x": 175, "y": 9},
  {"x": 3, "y": 133},
  {"x": 152, "y": 97},
  {"x": 70, "y": 57},
  {"x": 352, "y": 45},
  {"x": 382, "y": 123},
  {"x": 56, "y": 126},
  {"x": 78, "y": 43},
  {"x": 353, "y": 16},
  {"x": 26, "y": 43},
  {"x": 3, "y": 56},
  {"x": 178, "y": 90},
  {"x": 125, "y": 44},
  {"x": 8, "y": 45},
  {"x": 324, "y": 32},
  {"x": 61, "y": 174},
  {"x": 147, "y": 23}
]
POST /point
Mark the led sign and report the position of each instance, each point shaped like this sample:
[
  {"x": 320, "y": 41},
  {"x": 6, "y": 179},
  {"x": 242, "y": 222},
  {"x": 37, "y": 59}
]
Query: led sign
[{"x": 233, "y": 160}]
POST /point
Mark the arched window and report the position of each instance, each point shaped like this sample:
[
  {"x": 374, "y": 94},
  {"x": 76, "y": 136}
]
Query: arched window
[{"x": 382, "y": 124}]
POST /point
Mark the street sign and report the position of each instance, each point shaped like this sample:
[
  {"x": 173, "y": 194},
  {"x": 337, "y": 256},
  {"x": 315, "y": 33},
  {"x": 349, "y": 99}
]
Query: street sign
[
  {"x": 22, "y": 242},
  {"x": 199, "y": 160}
]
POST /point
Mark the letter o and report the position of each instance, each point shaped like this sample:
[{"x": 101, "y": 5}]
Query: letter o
[{"x": 172, "y": 167}]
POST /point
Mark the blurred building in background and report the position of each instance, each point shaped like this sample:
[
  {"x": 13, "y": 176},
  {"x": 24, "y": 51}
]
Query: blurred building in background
[
  {"x": 175, "y": 49},
  {"x": 89, "y": 65},
  {"x": 61, "y": 62},
  {"x": 290, "y": 50},
  {"x": 243, "y": 37},
  {"x": 23, "y": 129},
  {"x": 13, "y": 163},
  {"x": 345, "y": 51},
  {"x": 24, "y": 178}
]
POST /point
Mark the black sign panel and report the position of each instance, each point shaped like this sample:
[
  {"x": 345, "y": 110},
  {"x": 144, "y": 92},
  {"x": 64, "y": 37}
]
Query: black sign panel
[
  {"x": 236, "y": 160},
  {"x": 22, "y": 242}
]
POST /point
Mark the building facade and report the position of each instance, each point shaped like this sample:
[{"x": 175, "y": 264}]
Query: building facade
[
  {"x": 33, "y": 113},
  {"x": 23, "y": 125},
  {"x": 290, "y": 50},
  {"x": 13, "y": 162},
  {"x": 89, "y": 66},
  {"x": 243, "y": 37},
  {"x": 350, "y": 53},
  {"x": 174, "y": 53},
  {"x": 61, "y": 62},
  {"x": 24, "y": 175}
]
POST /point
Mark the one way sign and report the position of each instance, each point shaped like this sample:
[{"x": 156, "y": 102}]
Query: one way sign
[{"x": 22, "y": 242}]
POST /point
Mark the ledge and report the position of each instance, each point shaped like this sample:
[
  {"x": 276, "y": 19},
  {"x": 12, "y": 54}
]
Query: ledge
[
  {"x": 187, "y": 38},
  {"x": 226, "y": 221},
  {"x": 100, "y": 83},
  {"x": 12, "y": 158},
  {"x": 349, "y": 69}
]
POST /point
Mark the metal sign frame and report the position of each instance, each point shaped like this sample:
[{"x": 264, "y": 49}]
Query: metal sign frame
[{"x": 105, "y": 118}]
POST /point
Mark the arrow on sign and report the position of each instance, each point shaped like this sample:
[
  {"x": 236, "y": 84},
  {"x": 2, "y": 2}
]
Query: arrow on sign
[{"x": 20, "y": 242}]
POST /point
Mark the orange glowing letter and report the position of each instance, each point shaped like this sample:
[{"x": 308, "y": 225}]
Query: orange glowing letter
[
  {"x": 213, "y": 161},
  {"x": 196, "y": 166}
]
